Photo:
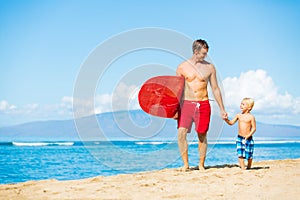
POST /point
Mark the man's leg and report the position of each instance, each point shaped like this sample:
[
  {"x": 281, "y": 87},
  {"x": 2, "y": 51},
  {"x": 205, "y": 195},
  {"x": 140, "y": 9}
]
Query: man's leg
[
  {"x": 183, "y": 147},
  {"x": 202, "y": 148}
]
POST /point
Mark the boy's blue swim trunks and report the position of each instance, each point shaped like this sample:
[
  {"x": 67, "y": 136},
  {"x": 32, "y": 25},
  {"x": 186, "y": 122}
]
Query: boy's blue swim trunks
[{"x": 245, "y": 150}]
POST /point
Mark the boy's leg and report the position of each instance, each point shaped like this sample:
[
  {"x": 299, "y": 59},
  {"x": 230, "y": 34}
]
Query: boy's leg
[
  {"x": 242, "y": 164},
  {"x": 249, "y": 163},
  {"x": 249, "y": 152},
  {"x": 240, "y": 151},
  {"x": 202, "y": 148}
]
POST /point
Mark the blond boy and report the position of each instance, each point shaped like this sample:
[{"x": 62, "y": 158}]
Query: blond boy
[{"x": 246, "y": 128}]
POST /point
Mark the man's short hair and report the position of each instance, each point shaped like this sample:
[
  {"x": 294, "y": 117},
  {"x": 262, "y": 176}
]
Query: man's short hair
[{"x": 198, "y": 44}]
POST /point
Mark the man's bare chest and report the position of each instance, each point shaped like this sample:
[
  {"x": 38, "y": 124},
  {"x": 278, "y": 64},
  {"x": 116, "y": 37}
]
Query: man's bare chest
[{"x": 200, "y": 73}]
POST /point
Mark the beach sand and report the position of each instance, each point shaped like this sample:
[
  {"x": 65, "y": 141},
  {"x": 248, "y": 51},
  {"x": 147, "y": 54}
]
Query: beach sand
[{"x": 267, "y": 180}]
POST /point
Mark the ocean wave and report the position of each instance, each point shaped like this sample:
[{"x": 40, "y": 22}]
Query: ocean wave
[
  {"x": 210, "y": 142},
  {"x": 222, "y": 142},
  {"x": 255, "y": 141},
  {"x": 152, "y": 143},
  {"x": 213, "y": 142},
  {"x": 43, "y": 143},
  {"x": 277, "y": 142}
]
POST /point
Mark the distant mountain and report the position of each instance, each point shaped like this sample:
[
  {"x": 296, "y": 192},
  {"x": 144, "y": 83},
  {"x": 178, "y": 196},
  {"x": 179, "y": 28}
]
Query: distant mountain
[
  {"x": 40, "y": 131},
  {"x": 125, "y": 125},
  {"x": 267, "y": 130}
]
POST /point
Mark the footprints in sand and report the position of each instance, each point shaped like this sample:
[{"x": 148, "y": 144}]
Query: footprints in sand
[{"x": 96, "y": 179}]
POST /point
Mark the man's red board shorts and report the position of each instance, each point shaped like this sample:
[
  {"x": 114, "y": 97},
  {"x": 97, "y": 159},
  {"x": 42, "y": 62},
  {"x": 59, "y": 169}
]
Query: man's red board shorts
[{"x": 197, "y": 112}]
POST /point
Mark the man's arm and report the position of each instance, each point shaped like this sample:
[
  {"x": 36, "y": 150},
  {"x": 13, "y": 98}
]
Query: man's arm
[
  {"x": 178, "y": 73},
  {"x": 179, "y": 70},
  {"x": 217, "y": 92}
]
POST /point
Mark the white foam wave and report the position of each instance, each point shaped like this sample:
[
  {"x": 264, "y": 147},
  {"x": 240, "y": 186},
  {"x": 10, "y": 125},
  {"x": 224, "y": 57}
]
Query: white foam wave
[
  {"x": 43, "y": 143},
  {"x": 152, "y": 143},
  {"x": 255, "y": 141},
  {"x": 277, "y": 142}
]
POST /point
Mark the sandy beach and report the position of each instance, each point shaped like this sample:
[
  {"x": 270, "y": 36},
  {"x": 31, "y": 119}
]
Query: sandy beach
[{"x": 266, "y": 180}]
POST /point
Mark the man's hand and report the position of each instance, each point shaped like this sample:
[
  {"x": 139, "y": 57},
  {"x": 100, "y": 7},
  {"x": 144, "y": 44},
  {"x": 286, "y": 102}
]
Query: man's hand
[
  {"x": 175, "y": 116},
  {"x": 224, "y": 115}
]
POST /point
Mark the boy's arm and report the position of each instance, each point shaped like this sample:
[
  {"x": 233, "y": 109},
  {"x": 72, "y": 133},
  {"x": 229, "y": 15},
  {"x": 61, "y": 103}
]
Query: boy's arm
[
  {"x": 231, "y": 122},
  {"x": 253, "y": 128}
]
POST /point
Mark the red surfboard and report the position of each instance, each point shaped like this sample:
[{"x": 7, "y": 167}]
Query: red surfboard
[{"x": 161, "y": 95}]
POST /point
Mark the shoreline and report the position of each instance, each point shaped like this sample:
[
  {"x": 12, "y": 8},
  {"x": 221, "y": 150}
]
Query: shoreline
[{"x": 274, "y": 179}]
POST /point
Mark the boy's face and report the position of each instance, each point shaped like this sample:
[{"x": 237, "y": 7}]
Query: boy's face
[{"x": 244, "y": 106}]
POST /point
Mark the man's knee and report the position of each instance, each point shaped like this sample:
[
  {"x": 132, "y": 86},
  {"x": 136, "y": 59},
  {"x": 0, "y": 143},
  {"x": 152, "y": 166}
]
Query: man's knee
[
  {"x": 202, "y": 137},
  {"x": 182, "y": 132}
]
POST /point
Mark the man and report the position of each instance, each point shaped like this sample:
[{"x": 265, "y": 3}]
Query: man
[{"x": 195, "y": 107}]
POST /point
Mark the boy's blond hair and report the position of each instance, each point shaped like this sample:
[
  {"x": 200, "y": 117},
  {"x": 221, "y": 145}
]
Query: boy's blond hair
[{"x": 250, "y": 102}]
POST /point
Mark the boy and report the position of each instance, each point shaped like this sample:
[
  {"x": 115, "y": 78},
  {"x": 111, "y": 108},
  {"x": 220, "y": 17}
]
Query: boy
[{"x": 246, "y": 128}]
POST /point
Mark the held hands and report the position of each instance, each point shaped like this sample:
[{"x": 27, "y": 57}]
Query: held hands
[{"x": 224, "y": 115}]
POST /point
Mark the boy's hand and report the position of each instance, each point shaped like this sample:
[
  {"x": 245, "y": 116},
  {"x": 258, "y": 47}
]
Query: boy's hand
[{"x": 247, "y": 137}]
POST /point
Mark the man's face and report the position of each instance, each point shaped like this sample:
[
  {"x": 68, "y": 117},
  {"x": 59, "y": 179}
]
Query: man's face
[{"x": 201, "y": 54}]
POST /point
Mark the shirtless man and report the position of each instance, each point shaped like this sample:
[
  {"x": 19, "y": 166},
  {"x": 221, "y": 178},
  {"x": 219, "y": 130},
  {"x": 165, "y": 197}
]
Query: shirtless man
[{"x": 197, "y": 73}]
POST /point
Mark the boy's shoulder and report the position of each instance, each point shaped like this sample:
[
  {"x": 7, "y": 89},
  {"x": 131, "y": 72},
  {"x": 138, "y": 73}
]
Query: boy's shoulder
[
  {"x": 250, "y": 116},
  {"x": 239, "y": 115}
]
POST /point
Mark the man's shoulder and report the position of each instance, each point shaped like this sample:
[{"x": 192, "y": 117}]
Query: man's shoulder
[
  {"x": 186, "y": 62},
  {"x": 208, "y": 64},
  {"x": 183, "y": 65}
]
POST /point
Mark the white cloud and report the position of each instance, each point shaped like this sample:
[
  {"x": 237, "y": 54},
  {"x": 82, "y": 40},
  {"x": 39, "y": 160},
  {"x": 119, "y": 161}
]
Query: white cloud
[
  {"x": 103, "y": 103},
  {"x": 269, "y": 101},
  {"x": 5, "y": 107},
  {"x": 271, "y": 105},
  {"x": 124, "y": 97}
]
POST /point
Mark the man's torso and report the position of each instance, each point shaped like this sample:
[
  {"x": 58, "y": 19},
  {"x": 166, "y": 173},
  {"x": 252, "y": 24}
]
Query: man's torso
[{"x": 196, "y": 80}]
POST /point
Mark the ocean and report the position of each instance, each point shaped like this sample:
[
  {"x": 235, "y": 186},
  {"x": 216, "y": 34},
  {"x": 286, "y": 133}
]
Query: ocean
[{"x": 68, "y": 160}]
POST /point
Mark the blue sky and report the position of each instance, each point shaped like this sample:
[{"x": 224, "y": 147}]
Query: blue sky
[{"x": 254, "y": 45}]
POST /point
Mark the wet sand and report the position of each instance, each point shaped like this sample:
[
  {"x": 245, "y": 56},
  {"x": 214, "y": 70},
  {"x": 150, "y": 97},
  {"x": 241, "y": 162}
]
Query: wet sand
[{"x": 266, "y": 180}]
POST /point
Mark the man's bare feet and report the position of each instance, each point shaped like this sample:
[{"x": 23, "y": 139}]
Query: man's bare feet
[
  {"x": 201, "y": 168},
  {"x": 184, "y": 169}
]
